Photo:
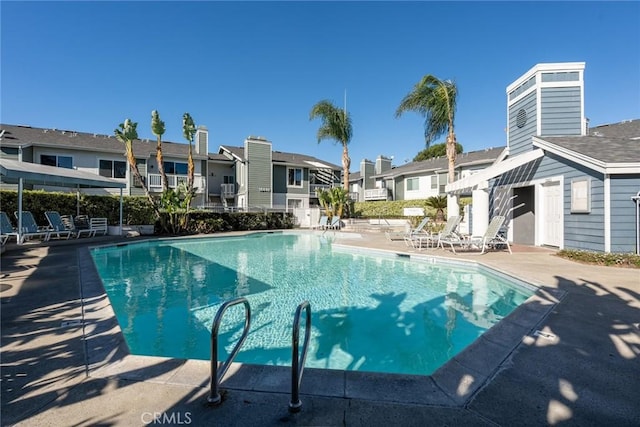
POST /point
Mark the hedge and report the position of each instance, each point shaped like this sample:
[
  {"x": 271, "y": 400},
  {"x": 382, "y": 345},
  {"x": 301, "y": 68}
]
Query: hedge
[{"x": 136, "y": 211}]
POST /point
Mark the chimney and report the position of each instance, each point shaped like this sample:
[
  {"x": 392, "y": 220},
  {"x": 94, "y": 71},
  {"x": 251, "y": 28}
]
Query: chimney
[{"x": 202, "y": 140}]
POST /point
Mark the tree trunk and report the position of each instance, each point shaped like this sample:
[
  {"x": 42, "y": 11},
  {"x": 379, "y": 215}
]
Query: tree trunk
[
  {"x": 136, "y": 173},
  {"x": 346, "y": 164},
  {"x": 451, "y": 155},
  {"x": 190, "y": 171},
  {"x": 160, "y": 160}
]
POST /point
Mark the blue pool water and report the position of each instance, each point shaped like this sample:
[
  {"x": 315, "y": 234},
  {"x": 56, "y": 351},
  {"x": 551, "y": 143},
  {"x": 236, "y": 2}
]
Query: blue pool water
[{"x": 371, "y": 311}]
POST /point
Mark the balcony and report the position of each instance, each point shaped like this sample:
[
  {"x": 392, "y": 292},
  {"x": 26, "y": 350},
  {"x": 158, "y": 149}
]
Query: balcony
[
  {"x": 312, "y": 188},
  {"x": 227, "y": 191},
  {"x": 376, "y": 194},
  {"x": 155, "y": 182}
]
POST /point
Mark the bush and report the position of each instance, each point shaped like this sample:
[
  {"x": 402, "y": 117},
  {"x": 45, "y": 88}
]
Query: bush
[
  {"x": 136, "y": 210},
  {"x": 600, "y": 258}
]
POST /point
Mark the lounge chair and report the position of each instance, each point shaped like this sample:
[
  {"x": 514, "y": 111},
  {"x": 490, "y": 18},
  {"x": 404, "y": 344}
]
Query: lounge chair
[
  {"x": 30, "y": 227},
  {"x": 335, "y": 223},
  {"x": 415, "y": 237},
  {"x": 56, "y": 226},
  {"x": 322, "y": 224},
  {"x": 98, "y": 226},
  {"x": 490, "y": 239},
  {"x": 449, "y": 231},
  {"x": 78, "y": 225},
  {"x": 6, "y": 228}
]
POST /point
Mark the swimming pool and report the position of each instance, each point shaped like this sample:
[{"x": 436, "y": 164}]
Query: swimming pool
[{"x": 371, "y": 311}]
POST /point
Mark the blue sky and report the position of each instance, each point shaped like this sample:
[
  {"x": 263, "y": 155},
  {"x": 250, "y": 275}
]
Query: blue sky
[{"x": 257, "y": 68}]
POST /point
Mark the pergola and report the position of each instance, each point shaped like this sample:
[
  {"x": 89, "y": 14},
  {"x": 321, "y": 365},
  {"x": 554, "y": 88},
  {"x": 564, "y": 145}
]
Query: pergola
[{"x": 20, "y": 173}]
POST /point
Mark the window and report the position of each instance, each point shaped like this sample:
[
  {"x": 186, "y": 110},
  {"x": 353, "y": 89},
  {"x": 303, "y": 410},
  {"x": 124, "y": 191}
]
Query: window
[
  {"x": 113, "y": 168},
  {"x": 295, "y": 177},
  {"x": 58, "y": 161},
  {"x": 413, "y": 184},
  {"x": 581, "y": 196},
  {"x": 228, "y": 179},
  {"x": 434, "y": 182},
  {"x": 175, "y": 168}
]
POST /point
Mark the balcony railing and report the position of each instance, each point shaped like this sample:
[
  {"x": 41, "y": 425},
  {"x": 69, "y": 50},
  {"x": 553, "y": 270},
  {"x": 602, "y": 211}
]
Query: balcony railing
[
  {"x": 227, "y": 190},
  {"x": 376, "y": 194},
  {"x": 155, "y": 182},
  {"x": 312, "y": 188}
]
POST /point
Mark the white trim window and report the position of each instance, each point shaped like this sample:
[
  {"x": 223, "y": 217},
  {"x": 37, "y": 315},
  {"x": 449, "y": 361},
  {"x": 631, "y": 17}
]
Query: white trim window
[
  {"x": 57, "y": 161},
  {"x": 294, "y": 177},
  {"x": 412, "y": 184},
  {"x": 112, "y": 168}
]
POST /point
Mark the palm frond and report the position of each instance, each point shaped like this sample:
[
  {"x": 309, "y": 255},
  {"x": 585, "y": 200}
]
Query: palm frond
[{"x": 436, "y": 101}]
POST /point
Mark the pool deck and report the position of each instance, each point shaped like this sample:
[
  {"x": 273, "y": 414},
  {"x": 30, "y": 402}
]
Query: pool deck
[{"x": 569, "y": 356}]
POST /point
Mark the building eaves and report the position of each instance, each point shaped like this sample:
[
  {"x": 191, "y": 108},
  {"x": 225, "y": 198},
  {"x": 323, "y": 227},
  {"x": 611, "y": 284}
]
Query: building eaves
[
  {"x": 15, "y": 135},
  {"x": 437, "y": 164},
  {"x": 597, "y": 152}
]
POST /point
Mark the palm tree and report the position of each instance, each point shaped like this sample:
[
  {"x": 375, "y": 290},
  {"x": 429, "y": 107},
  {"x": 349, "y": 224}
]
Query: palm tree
[
  {"x": 157, "y": 127},
  {"x": 435, "y": 99},
  {"x": 127, "y": 133},
  {"x": 336, "y": 125},
  {"x": 439, "y": 203},
  {"x": 188, "y": 131}
]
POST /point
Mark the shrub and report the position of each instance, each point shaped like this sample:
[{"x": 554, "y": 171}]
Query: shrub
[{"x": 600, "y": 258}]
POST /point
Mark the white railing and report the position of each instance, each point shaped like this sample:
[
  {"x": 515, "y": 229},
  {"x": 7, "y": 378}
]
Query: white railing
[
  {"x": 227, "y": 190},
  {"x": 353, "y": 195},
  {"x": 312, "y": 188},
  {"x": 376, "y": 194},
  {"x": 155, "y": 181}
]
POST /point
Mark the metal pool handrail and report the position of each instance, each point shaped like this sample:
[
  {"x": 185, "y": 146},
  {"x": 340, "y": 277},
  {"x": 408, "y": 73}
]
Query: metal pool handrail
[
  {"x": 297, "y": 361},
  {"x": 216, "y": 377}
]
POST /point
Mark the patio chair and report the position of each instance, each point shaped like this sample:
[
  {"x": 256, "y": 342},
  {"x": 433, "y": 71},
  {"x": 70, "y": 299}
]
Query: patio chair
[
  {"x": 78, "y": 225},
  {"x": 449, "y": 231},
  {"x": 322, "y": 223},
  {"x": 7, "y": 230},
  {"x": 98, "y": 225},
  {"x": 335, "y": 223},
  {"x": 490, "y": 239},
  {"x": 30, "y": 227},
  {"x": 416, "y": 236},
  {"x": 56, "y": 226}
]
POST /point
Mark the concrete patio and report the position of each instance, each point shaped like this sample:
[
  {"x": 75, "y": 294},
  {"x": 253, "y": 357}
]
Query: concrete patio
[{"x": 64, "y": 361}]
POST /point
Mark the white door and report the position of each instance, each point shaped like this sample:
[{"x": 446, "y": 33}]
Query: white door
[{"x": 552, "y": 215}]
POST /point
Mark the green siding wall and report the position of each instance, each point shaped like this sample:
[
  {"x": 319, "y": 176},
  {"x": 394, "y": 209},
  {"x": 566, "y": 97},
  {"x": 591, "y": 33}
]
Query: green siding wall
[{"x": 258, "y": 155}]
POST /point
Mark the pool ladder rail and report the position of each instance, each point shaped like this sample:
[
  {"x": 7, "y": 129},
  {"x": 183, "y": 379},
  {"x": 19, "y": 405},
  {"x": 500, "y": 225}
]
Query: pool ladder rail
[{"x": 297, "y": 359}]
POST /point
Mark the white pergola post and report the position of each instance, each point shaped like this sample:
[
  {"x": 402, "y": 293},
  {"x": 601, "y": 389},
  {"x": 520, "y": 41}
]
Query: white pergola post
[
  {"x": 453, "y": 208},
  {"x": 480, "y": 211}
]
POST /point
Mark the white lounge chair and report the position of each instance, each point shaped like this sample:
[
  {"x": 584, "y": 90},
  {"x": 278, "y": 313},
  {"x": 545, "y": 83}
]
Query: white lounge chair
[
  {"x": 56, "y": 226},
  {"x": 77, "y": 230},
  {"x": 416, "y": 236},
  {"x": 98, "y": 226},
  {"x": 6, "y": 228},
  {"x": 322, "y": 223},
  {"x": 30, "y": 227},
  {"x": 490, "y": 239},
  {"x": 449, "y": 231},
  {"x": 335, "y": 223}
]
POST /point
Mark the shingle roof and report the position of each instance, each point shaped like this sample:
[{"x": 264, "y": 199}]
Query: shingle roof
[
  {"x": 613, "y": 143},
  {"x": 25, "y": 135},
  {"x": 287, "y": 158},
  {"x": 486, "y": 156}
]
